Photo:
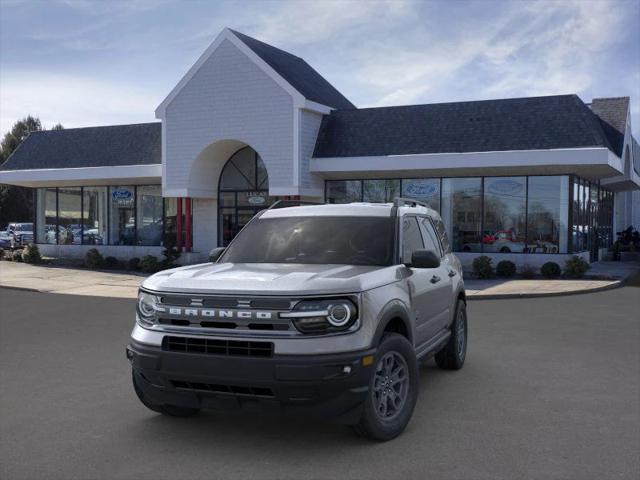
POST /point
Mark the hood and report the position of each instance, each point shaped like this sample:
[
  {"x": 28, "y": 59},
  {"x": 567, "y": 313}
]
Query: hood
[{"x": 271, "y": 279}]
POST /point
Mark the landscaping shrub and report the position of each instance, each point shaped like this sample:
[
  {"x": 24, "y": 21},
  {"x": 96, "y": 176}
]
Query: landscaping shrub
[
  {"x": 576, "y": 267},
  {"x": 527, "y": 271},
  {"x": 93, "y": 259},
  {"x": 31, "y": 254},
  {"x": 482, "y": 267},
  {"x": 16, "y": 256},
  {"x": 550, "y": 270},
  {"x": 506, "y": 269},
  {"x": 111, "y": 263},
  {"x": 1, "y": 253},
  {"x": 170, "y": 251},
  {"x": 134, "y": 263},
  {"x": 149, "y": 264}
]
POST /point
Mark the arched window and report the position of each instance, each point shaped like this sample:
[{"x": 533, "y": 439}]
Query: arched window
[{"x": 243, "y": 192}]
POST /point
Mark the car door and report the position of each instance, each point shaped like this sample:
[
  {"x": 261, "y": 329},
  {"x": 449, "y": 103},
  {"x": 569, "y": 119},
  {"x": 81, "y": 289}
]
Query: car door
[
  {"x": 423, "y": 283},
  {"x": 443, "y": 301}
]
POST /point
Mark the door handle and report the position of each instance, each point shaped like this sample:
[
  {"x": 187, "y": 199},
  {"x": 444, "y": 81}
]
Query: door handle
[
  {"x": 452, "y": 273},
  {"x": 435, "y": 279}
]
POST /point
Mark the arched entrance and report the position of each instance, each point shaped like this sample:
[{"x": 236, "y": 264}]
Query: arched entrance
[{"x": 242, "y": 192}]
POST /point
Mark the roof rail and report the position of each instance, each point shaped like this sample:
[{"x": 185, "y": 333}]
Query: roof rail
[
  {"x": 408, "y": 202},
  {"x": 291, "y": 203}
]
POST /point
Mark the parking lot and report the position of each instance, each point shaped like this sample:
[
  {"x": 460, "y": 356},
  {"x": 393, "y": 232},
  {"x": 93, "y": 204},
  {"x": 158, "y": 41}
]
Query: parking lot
[{"x": 551, "y": 389}]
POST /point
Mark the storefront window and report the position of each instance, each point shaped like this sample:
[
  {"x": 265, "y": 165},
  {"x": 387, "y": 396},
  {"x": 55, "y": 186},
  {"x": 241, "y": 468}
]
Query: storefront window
[
  {"x": 170, "y": 220},
  {"x": 462, "y": 212},
  {"x": 94, "y": 217},
  {"x": 344, "y": 191},
  {"x": 122, "y": 215},
  {"x": 380, "y": 191},
  {"x": 149, "y": 215},
  {"x": 548, "y": 204},
  {"x": 46, "y": 215},
  {"x": 69, "y": 216},
  {"x": 426, "y": 190},
  {"x": 504, "y": 214}
]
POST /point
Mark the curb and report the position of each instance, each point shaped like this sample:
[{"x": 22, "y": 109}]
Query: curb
[
  {"x": 507, "y": 296},
  {"x": 24, "y": 289}
]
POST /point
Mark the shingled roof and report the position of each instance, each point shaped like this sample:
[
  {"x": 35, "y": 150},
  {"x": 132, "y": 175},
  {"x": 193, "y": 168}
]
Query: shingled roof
[
  {"x": 532, "y": 123},
  {"x": 298, "y": 73},
  {"x": 108, "y": 146},
  {"x": 612, "y": 113}
]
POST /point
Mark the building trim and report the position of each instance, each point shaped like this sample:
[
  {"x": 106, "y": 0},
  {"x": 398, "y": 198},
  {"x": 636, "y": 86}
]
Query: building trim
[{"x": 137, "y": 174}]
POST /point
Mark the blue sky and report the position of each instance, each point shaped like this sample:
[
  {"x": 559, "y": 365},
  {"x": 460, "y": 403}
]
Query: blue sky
[{"x": 84, "y": 63}]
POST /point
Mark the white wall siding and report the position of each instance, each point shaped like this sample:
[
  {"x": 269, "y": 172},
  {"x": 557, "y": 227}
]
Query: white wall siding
[
  {"x": 229, "y": 97},
  {"x": 309, "y": 126},
  {"x": 205, "y": 225}
]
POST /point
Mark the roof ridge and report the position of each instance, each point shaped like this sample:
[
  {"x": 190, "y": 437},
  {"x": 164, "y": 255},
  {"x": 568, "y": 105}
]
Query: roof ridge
[
  {"x": 469, "y": 101},
  {"x": 98, "y": 126},
  {"x": 235, "y": 32}
]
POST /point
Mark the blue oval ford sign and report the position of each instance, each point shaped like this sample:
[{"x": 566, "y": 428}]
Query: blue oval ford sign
[
  {"x": 505, "y": 187},
  {"x": 121, "y": 194},
  {"x": 421, "y": 190}
]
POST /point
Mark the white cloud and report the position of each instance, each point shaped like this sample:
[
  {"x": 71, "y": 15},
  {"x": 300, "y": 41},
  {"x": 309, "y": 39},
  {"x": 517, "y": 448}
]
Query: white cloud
[{"x": 73, "y": 101}]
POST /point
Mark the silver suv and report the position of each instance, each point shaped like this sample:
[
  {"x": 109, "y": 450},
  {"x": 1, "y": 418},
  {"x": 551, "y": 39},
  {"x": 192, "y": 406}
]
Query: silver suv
[{"x": 317, "y": 310}]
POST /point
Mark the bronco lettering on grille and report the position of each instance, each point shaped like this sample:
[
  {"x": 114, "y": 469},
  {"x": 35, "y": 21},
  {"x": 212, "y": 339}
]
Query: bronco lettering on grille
[{"x": 216, "y": 313}]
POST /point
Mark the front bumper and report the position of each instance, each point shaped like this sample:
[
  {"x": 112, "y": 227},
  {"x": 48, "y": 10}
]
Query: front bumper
[{"x": 332, "y": 385}]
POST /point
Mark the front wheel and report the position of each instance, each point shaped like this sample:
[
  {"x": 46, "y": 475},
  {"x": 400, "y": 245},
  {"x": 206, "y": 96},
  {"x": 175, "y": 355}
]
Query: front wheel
[
  {"x": 393, "y": 390},
  {"x": 452, "y": 356},
  {"x": 169, "y": 410}
]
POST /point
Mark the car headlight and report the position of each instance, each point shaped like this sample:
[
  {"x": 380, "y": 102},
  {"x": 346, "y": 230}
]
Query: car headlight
[
  {"x": 323, "y": 316},
  {"x": 147, "y": 304}
]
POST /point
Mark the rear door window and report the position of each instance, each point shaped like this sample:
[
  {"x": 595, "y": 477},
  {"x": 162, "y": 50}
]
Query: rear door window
[
  {"x": 430, "y": 237},
  {"x": 442, "y": 233}
]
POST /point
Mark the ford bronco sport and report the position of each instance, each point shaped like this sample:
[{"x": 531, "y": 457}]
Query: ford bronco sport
[{"x": 312, "y": 309}]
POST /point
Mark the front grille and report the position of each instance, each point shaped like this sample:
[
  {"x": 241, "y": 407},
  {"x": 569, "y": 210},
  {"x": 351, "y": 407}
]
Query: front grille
[
  {"x": 218, "y": 347},
  {"x": 277, "y": 325},
  {"x": 225, "y": 389}
]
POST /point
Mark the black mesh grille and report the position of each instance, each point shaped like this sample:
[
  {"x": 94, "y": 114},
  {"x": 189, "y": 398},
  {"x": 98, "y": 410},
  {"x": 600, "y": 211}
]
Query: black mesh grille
[
  {"x": 218, "y": 347},
  {"x": 228, "y": 389}
]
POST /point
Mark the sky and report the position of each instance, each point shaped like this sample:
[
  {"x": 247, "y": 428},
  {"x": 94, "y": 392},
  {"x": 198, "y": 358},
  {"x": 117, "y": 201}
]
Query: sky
[{"x": 86, "y": 63}]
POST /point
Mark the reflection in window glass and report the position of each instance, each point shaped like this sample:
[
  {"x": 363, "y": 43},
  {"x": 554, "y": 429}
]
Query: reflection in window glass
[
  {"x": 462, "y": 212},
  {"x": 380, "y": 191},
  {"x": 46, "y": 216},
  {"x": 69, "y": 216},
  {"x": 411, "y": 238},
  {"x": 94, "y": 216},
  {"x": 426, "y": 190},
  {"x": 149, "y": 213},
  {"x": 548, "y": 200},
  {"x": 122, "y": 215},
  {"x": 504, "y": 214},
  {"x": 170, "y": 220},
  {"x": 344, "y": 191}
]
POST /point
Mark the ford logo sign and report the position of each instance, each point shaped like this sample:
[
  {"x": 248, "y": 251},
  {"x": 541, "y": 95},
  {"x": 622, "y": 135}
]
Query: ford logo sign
[
  {"x": 505, "y": 187},
  {"x": 256, "y": 200},
  {"x": 121, "y": 194},
  {"x": 421, "y": 190}
]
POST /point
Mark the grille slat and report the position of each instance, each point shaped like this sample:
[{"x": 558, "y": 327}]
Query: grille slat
[
  {"x": 218, "y": 347},
  {"x": 225, "y": 389}
]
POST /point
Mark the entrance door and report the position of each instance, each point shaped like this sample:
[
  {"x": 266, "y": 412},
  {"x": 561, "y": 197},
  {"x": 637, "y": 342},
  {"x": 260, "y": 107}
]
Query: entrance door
[{"x": 243, "y": 192}]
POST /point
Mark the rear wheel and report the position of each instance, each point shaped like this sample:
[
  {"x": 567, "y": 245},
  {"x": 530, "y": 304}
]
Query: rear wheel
[
  {"x": 393, "y": 390},
  {"x": 452, "y": 356},
  {"x": 169, "y": 410}
]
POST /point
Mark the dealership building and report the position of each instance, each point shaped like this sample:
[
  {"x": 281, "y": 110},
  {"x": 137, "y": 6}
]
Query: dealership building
[{"x": 527, "y": 179}]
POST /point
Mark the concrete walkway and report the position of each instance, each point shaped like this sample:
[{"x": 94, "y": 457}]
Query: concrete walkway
[{"x": 78, "y": 281}]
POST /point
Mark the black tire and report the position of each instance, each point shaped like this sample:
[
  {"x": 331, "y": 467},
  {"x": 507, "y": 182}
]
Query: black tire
[
  {"x": 505, "y": 250},
  {"x": 169, "y": 410},
  {"x": 372, "y": 424},
  {"x": 452, "y": 356}
]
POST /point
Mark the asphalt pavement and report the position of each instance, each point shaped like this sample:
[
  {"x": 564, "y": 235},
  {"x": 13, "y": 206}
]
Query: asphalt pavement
[{"x": 551, "y": 389}]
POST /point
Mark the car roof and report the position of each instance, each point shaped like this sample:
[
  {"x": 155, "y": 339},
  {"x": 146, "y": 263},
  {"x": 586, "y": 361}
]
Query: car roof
[{"x": 355, "y": 209}]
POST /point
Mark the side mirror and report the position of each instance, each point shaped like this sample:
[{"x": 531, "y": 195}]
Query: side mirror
[
  {"x": 424, "y": 259},
  {"x": 214, "y": 254}
]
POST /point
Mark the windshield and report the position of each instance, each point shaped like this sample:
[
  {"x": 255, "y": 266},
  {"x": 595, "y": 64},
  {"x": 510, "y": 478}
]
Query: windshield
[
  {"x": 314, "y": 240},
  {"x": 23, "y": 227}
]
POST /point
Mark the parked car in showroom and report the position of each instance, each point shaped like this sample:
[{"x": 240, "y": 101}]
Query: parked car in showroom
[
  {"x": 18, "y": 235},
  {"x": 320, "y": 310}
]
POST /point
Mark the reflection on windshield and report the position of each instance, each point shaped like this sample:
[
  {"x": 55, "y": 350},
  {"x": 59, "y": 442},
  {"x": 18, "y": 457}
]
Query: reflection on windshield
[{"x": 314, "y": 240}]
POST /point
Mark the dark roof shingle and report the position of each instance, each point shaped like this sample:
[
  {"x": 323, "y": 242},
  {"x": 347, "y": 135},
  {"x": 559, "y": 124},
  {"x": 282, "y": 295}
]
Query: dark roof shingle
[
  {"x": 108, "y": 146},
  {"x": 612, "y": 113},
  {"x": 298, "y": 73},
  {"x": 533, "y": 123}
]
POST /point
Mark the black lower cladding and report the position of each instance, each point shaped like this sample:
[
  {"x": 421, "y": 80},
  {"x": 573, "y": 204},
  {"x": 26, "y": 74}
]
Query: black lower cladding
[{"x": 310, "y": 385}]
